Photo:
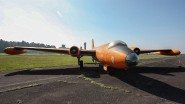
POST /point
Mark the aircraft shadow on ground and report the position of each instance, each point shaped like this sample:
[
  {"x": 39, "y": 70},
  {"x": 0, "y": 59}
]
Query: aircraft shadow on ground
[
  {"x": 92, "y": 72},
  {"x": 132, "y": 77},
  {"x": 158, "y": 88}
]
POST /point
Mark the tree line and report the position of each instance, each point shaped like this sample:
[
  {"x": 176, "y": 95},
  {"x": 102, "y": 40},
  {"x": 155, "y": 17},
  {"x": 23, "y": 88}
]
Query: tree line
[{"x": 4, "y": 44}]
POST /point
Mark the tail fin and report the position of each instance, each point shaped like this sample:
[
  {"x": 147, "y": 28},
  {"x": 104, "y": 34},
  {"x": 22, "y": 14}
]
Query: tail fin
[{"x": 92, "y": 43}]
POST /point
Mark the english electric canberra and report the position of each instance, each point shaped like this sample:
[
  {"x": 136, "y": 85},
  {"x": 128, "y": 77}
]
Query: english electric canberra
[{"x": 114, "y": 55}]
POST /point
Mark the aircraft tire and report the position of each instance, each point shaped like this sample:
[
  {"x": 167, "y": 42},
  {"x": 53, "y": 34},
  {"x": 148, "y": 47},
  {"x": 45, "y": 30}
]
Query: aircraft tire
[
  {"x": 100, "y": 66},
  {"x": 111, "y": 71},
  {"x": 81, "y": 64}
]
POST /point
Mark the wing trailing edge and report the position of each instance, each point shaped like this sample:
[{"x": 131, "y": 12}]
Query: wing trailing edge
[{"x": 169, "y": 52}]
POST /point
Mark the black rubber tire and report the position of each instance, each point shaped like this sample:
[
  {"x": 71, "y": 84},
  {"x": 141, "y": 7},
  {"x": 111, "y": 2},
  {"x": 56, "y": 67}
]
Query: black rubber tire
[
  {"x": 111, "y": 71},
  {"x": 100, "y": 66},
  {"x": 81, "y": 64}
]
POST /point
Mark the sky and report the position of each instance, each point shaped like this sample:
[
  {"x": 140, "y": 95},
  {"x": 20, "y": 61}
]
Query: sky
[{"x": 147, "y": 24}]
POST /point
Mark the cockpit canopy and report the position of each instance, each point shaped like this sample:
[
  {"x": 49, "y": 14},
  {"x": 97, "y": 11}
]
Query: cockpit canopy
[{"x": 117, "y": 43}]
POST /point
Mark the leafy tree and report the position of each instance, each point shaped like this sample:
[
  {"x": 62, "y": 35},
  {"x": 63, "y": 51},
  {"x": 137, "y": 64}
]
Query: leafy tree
[{"x": 4, "y": 44}]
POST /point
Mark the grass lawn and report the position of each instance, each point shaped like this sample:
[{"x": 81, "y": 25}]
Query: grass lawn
[{"x": 14, "y": 62}]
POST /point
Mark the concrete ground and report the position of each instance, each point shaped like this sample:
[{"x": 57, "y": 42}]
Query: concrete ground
[{"x": 154, "y": 81}]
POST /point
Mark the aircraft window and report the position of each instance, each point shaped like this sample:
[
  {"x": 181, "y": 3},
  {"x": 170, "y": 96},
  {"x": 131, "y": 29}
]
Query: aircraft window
[{"x": 117, "y": 43}]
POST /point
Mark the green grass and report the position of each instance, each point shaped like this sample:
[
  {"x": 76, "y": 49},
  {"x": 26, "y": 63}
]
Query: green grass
[
  {"x": 8, "y": 62},
  {"x": 14, "y": 62}
]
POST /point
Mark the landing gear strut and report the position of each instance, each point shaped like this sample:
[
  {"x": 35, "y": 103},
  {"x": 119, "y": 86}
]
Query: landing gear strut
[{"x": 80, "y": 62}]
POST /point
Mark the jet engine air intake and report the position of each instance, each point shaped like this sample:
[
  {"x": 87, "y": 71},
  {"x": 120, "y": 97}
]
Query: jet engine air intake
[
  {"x": 136, "y": 50},
  {"x": 74, "y": 51}
]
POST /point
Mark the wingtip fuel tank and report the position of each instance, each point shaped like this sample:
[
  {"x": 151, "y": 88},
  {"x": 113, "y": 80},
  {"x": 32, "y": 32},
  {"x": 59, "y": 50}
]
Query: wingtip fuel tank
[{"x": 13, "y": 51}]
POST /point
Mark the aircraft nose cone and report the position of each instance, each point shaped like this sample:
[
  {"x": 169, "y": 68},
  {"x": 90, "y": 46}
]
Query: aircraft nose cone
[{"x": 132, "y": 59}]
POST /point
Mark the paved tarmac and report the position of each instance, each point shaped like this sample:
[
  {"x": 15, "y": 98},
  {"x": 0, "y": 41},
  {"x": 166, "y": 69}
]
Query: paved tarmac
[{"x": 153, "y": 81}]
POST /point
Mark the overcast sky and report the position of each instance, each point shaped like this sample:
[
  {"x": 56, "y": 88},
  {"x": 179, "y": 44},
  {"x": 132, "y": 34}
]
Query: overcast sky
[{"x": 144, "y": 23}]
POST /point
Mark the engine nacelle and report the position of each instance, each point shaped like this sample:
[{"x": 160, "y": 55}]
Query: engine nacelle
[
  {"x": 169, "y": 53},
  {"x": 14, "y": 51},
  {"x": 135, "y": 49},
  {"x": 74, "y": 51}
]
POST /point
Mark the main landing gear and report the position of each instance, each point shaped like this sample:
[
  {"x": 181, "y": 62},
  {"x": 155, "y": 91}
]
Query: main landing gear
[{"x": 80, "y": 62}]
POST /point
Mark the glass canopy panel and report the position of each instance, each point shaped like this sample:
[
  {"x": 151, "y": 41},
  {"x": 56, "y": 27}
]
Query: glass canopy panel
[{"x": 117, "y": 43}]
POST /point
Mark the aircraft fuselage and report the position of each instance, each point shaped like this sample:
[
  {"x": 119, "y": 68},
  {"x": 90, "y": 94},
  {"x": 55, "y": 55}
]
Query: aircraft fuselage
[{"x": 116, "y": 55}]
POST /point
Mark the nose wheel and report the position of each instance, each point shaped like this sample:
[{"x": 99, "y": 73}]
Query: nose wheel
[{"x": 111, "y": 71}]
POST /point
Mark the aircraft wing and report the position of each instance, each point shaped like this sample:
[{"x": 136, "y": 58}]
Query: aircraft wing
[
  {"x": 74, "y": 51},
  {"x": 155, "y": 50},
  {"x": 169, "y": 52}
]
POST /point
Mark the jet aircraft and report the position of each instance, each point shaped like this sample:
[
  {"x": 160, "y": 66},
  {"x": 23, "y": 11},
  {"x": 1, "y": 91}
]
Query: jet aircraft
[{"x": 113, "y": 55}]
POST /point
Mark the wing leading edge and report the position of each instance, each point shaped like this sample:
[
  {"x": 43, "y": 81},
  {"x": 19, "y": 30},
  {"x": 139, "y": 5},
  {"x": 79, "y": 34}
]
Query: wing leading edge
[{"x": 20, "y": 50}]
